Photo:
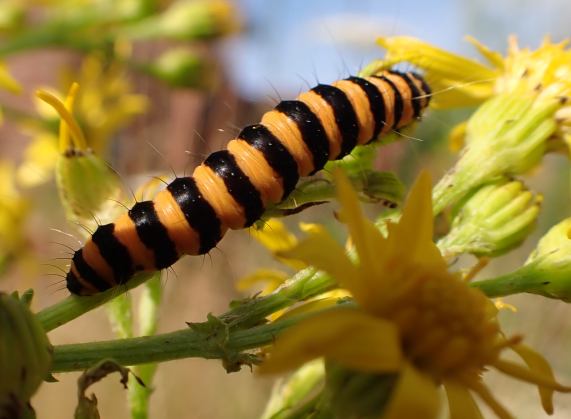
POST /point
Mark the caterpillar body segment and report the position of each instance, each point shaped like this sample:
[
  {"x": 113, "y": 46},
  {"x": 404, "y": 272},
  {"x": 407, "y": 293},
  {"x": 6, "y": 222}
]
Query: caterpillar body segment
[{"x": 258, "y": 168}]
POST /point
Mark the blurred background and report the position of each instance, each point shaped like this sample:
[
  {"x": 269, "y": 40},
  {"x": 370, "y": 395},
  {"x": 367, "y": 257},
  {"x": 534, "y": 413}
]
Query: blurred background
[{"x": 149, "y": 117}]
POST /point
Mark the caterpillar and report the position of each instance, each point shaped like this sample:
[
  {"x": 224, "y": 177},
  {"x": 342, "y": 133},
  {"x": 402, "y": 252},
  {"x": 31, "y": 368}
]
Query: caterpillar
[{"x": 260, "y": 167}]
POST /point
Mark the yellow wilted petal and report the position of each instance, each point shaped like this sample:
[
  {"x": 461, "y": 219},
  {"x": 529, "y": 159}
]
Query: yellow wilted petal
[
  {"x": 322, "y": 251},
  {"x": 415, "y": 396},
  {"x": 460, "y": 402},
  {"x": 65, "y": 114},
  {"x": 538, "y": 363},
  {"x": 342, "y": 335}
]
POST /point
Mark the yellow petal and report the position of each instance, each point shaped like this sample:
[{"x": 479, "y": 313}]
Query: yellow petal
[
  {"x": 66, "y": 116},
  {"x": 456, "y": 137},
  {"x": 39, "y": 161},
  {"x": 315, "y": 305},
  {"x": 414, "y": 231},
  {"x": 8, "y": 82},
  {"x": 344, "y": 335},
  {"x": 415, "y": 396},
  {"x": 531, "y": 376},
  {"x": 437, "y": 62},
  {"x": 274, "y": 235},
  {"x": 448, "y": 94},
  {"x": 322, "y": 251},
  {"x": 488, "y": 398},
  {"x": 493, "y": 57},
  {"x": 269, "y": 277},
  {"x": 460, "y": 402},
  {"x": 366, "y": 238},
  {"x": 538, "y": 363}
]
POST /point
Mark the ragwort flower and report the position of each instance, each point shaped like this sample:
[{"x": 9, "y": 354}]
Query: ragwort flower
[
  {"x": 87, "y": 185},
  {"x": 104, "y": 106},
  {"x": 410, "y": 317},
  {"x": 524, "y": 110}
]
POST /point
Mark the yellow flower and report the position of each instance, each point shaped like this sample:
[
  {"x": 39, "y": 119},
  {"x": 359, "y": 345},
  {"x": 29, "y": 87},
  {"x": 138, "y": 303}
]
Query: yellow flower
[
  {"x": 7, "y": 82},
  {"x": 87, "y": 185},
  {"x": 104, "y": 105},
  {"x": 410, "y": 317},
  {"x": 14, "y": 210},
  {"x": 459, "y": 81}
]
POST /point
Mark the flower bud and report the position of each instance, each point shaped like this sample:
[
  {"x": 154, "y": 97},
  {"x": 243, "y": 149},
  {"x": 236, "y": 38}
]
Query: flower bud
[
  {"x": 507, "y": 135},
  {"x": 187, "y": 20},
  {"x": 357, "y": 394},
  {"x": 546, "y": 272},
  {"x": 12, "y": 16},
  {"x": 25, "y": 357},
  {"x": 88, "y": 187},
  {"x": 181, "y": 67},
  {"x": 549, "y": 265},
  {"x": 494, "y": 219},
  {"x": 289, "y": 395}
]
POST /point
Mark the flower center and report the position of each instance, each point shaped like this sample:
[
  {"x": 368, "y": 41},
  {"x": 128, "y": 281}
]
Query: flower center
[{"x": 447, "y": 328}]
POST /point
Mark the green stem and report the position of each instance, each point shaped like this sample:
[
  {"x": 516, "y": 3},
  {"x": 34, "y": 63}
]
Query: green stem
[
  {"x": 74, "y": 306},
  {"x": 189, "y": 343},
  {"x": 502, "y": 285},
  {"x": 169, "y": 346}
]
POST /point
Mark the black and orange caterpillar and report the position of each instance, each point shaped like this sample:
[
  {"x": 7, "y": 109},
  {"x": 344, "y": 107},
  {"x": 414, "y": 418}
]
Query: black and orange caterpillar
[{"x": 260, "y": 167}]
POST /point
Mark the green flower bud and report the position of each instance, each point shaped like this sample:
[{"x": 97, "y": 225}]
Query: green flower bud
[
  {"x": 12, "y": 14},
  {"x": 546, "y": 272},
  {"x": 507, "y": 135},
  {"x": 295, "y": 394},
  {"x": 87, "y": 186},
  {"x": 25, "y": 357},
  {"x": 494, "y": 219},
  {"x": 181, "y": 67},
  {"x": 187, "y": 20},
  {"x": 356, "y": 394}
]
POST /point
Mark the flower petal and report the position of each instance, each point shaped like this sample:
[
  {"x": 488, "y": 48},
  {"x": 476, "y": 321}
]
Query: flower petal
[
  {"x": 271, "y": 279},
  {"x": 414, "y": 396},
  {"x": 460, "y": 402},
  {"x": 531, "y": 376},
  {"x": 434, "y": 60},
  {"x": 347, "y": 336},
  {"x": 7, "y": 82},
  {"x": 368, "y": 242},
  {"x": 538, "y": 363},
  {"x": 487, "y": 397},
  {"x": 322, "y": 251},
  {"x": 413, "y": 233}
]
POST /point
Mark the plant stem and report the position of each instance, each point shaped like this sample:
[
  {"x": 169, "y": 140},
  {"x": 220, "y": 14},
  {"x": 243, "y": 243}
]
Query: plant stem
[
  {"x": 74, "y": 306},
  {"x": 189, "y": 342},
  {"x": 169, "y": 346}
]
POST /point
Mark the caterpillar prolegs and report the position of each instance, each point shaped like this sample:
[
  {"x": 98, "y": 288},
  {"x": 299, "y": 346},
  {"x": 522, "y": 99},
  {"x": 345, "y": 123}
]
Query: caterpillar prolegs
[{"x": 260, "y": 167}]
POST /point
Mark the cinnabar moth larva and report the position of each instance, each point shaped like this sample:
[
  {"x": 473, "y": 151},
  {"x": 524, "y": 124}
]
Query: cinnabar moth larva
[{"x": 260, "y": 167}]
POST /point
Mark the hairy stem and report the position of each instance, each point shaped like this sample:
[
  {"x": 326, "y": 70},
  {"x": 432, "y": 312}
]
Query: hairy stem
[{"x": 195, "y": 343}]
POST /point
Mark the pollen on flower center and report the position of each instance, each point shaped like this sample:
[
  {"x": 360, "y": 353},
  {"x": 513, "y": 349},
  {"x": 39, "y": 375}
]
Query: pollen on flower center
[{"x": 447, "y": 328}]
